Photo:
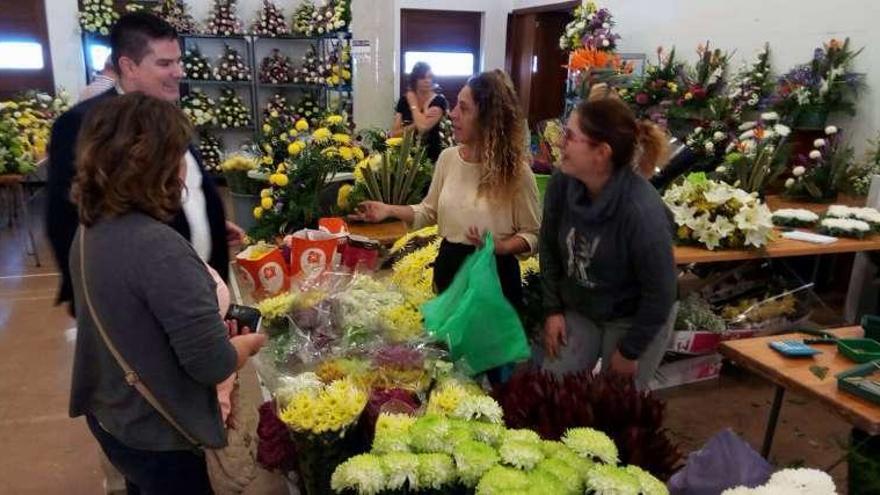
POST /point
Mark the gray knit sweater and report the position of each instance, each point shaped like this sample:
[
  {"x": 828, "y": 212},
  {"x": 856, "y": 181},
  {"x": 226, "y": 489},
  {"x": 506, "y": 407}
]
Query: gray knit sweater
[{"x": 158, "y": 303}]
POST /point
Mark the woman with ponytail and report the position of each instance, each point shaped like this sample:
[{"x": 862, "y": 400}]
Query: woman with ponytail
[
  {"x": 482, "y": 185},
  {"x": 608, "y": 272}
]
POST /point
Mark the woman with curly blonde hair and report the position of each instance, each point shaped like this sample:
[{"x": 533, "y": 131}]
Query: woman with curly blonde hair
[{"x": 482, "y": 185}]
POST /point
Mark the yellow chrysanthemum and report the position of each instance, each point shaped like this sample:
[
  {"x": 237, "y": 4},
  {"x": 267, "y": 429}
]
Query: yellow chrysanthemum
[
  {"x": 295, "y": 148},
  {"x": 267, "y": 128},
  {"x": 335, "y": 120},
  {"x": 266, "y": 203},
  {"x": 403, "y": 322},
  {"x": 280, "y": 180},
  {"x": 342, "y": 196},
  {"x": 322, "y": 134},
  {"x": 445, "y": 400},
  {"x": 301, "y": 125},
  {"x": 258, "y": 212},
  {"x": 341, "y": 138},
  {"x": 358, "y": 153},
  {"x": 394, "y": 141},
  {"x": 274, "y": 114},
  {"x": 331, "y": 409},
  {"x": 265, "y": 193},
  {"x": 330, "y": 151},
  {"x": 346, "y": 153}
]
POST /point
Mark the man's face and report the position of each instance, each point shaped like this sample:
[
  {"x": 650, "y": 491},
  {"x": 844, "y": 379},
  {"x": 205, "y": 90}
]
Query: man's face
[{"x": 158, "y": 74}]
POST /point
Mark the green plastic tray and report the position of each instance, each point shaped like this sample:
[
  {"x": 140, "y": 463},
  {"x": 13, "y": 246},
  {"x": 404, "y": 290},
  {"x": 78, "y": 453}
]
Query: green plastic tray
[
  {"x": 859, "y": 350},
  {"x": 861, "y": 370},
  {"x": 871, "y": 324}
]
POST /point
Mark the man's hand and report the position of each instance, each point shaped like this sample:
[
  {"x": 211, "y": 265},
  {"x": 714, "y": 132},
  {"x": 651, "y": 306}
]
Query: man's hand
[
  {"x": 234, "y": 234},
  {"x": 554, "y": 335}
]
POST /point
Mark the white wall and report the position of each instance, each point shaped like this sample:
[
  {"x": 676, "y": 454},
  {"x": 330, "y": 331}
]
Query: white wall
[
  {"x": 65, "y": 46},
  {"x": 792, "y": 27}
]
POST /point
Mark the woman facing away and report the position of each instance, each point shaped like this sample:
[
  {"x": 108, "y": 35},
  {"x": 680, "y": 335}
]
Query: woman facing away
[{"x": 146, "y": 292}]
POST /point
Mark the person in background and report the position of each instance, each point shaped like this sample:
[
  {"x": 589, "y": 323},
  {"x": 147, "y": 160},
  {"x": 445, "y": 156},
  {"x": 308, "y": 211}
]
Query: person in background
[
  {"x": 608, "y": 274},
  {"x": 482, "y": 185},
  {"x": 104, "y": 81},
  {"x": 421, "y": 108},
  {"x": 145, "y": 51},
  {"x": 147, "y": 288}
]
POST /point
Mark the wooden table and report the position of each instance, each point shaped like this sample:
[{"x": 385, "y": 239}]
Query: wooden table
[
  {"x": 779, "y": 248},
  {"x": 794, "y": 373}
]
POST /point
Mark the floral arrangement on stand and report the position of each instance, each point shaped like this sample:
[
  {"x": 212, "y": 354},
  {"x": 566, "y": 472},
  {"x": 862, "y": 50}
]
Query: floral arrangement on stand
[
  {"x": 651, "y": 95},
  {"x": 334, "y": 17},
  {"x": 231, "y": 112},
  {"x": 396, "y": 176},
  {"x": 271, "y": 21},
  {"x": 591, "y": 28},
  {"x": 338, "y": 64},
  {"x": 716, "y": 214},
  {"x": 223, "y": 21},
  {"x": 196, "y": 66},
  {"x": 25, "y": 124},
  {"x": 753, "y": 84},
  {"x": 210, "y": 148},
  {"x": 862, "y": 172},
  {"x": 705, "y": 82},
  {"x": 312, "y": 70},
  {"x": 276, "y": 68},
  {"x": 302, "y": 18},
  {"x": 311, "y": 161},
  {"x": 231, "y": 67},
  {"x": 758, "y": 156},
  {"x": 308, "y": 108},
  {"x": 97, "y": 16},
  {"x": 176, "y": 13},
  {"x": 709, "y": 140},
  {"x": 810, "y": 92},
  {"x": 199, "y": 108},
  {"x": 822, "y": 174}
]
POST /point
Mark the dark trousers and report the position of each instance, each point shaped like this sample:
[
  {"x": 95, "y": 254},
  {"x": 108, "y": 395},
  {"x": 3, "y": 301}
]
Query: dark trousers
[
  {"x": 451, "y": 256},
  {"x": 148, "y": 472},
  {"x": 449, "y": 260}
]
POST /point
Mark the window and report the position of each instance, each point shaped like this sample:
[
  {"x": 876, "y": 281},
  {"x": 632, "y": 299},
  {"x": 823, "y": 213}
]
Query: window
[
  {"x": 442, "y": 63},
  {"x": 98, "y": 54},
  {"x": 27, "y": 55}
]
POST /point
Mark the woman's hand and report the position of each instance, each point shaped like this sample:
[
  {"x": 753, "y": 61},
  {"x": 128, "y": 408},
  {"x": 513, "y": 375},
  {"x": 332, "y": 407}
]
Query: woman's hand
[
  {"x": 371, "y": 212},
  {"x": 246, "y": 345},
  {"x": 554, "y": 335},
  {"x": 474, "y": 236},
  {"x": 412, "y": 100},
  {"x": 623, "y": 366}
]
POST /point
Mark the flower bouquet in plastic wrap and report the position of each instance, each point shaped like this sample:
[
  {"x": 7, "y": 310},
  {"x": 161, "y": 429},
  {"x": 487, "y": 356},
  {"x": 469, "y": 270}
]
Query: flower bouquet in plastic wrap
[
  {"x": 199, "y": 108},
  {"x": 196, "y": 65},
  {"x": 223, "y": 21},
  {"x": 276, "y": 68},
  {"x": 270, "y": 22},
  {"x": 231, "y": 111},
  {"x": 176, "y": 13},
  {"x": 211, "y": 149},
  {"x": 231, "y": 67}
]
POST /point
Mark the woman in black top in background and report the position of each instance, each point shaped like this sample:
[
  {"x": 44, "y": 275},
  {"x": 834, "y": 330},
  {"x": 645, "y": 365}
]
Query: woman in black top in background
[{"x": 423, "y": 108}]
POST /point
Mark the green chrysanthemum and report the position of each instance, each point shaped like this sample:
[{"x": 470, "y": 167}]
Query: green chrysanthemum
[
  {"x": 473, "y": 459},
  {"x": 435, "y": 471},
  {"x": 428, "y": 434},
  {"x": 650, "y": 485},
  {"x": 545, "y": 482},
  {"x": 489, "y": 433},
  {"x": 479, "y": 408},
  {"x": 362, "y": 473},
  {"x": 574, "y": 461},
  {"x": 612, "y": 480},
  {"x": 568, "y": 476},
  {"x": 521, "y": 435},
  {"x": 590, "y": 443},
  {"x": 392, "y": 433},
  {"x": 502, "y": 480},
  {"x": 459, "y": 431},
  {"x": 400, "y": 468},
  {"x": 521, "y": 454},
  {"x": 550, "y": 447}
]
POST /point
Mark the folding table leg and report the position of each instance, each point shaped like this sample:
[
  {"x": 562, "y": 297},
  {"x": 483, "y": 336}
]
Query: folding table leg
[{"x": 771, "y": 421}]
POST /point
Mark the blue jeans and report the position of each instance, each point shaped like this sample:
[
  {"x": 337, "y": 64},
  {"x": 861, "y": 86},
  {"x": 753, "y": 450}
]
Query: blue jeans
[{"x": 148, "y": 472}]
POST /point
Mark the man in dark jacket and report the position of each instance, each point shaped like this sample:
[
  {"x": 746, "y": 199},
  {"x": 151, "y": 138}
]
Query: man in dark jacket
[{"x": 145, "y": 51}]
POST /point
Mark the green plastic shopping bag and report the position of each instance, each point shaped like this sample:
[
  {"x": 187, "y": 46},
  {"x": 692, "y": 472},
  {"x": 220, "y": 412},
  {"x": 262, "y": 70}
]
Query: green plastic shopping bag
[{"x": 475, "y": 320}]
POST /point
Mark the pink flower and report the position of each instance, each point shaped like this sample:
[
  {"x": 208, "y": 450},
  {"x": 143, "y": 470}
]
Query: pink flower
[{"x": 642, "y": 99}]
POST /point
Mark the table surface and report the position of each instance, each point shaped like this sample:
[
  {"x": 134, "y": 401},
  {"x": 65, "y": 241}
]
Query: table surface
[
  {"x": 779, "y": 248},
  {"x": 794, "y": 374},
  {"x": 385, "y": 233}
]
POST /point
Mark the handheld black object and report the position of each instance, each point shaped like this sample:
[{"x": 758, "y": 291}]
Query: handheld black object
[{"x": 246, "y": 316}]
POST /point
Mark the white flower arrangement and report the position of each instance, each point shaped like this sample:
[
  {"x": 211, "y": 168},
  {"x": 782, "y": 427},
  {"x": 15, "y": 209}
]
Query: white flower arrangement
[
  {"x": 223, "y": 21},
  {"x": 232, "y": 112},
  {"x": 865, "y": 214},
  {"x": 196, "y": 66},
  {"x": 716, "y": 214},
  {"x": 789, "y": 217},
  {"x": 801, "y": 481},
  {"x": 844, "y": 227},
  {"x": 199, "y": 108},
  {"x": 231, "y": 67}
]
